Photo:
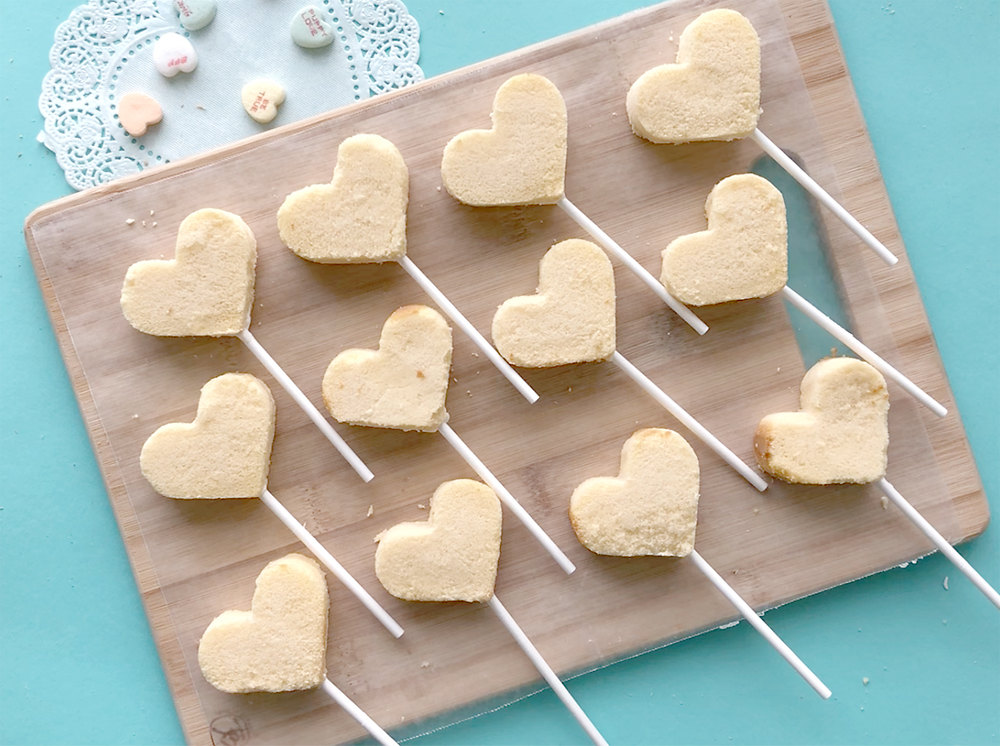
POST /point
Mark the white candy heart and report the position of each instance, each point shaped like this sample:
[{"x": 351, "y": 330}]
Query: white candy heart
[
  {"x": 309, "y": 30},
  {"x": 195, "y": 14},
  {"x": 172, "y": 54}
]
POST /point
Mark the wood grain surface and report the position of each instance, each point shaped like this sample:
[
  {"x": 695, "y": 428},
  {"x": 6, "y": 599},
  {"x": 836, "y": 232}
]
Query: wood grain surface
[{"x": 192, "y": 560}]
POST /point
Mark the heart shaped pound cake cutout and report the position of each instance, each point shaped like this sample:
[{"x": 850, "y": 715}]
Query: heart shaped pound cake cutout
[
  {"x": 403, "y": 384},
  {"x": 225, "y": 452},
  {"x": 713, "y": 90},
  {"x": 207, "y": 290},
  {"x": 744, "y": 252},
  {"x": 571, "y": 319},
  {"x": 361, "y": 216},
  {"x": 840, "y": 433},
  {"x": 650, "y": 508},
  {"x": 280, "y": 644},
  {"x": 453, "y": 555},
  {"x": 522, "y": 160}
]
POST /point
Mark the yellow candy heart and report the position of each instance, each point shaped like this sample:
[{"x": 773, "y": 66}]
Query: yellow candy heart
[{"x": 261, "y": 99}]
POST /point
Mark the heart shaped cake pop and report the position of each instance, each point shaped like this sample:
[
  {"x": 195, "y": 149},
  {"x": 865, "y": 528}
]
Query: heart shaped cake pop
[
  {"x": 225, "y": 452},
  {"x": 744, "y": 252},
  {"x": 840, "y": 433},
  {"x": 280, "y": 644},
  {"x": 571, "y": 319},
  {"x": 136, "y": 111},
  {"x": 207, "y": 290},
  {"x": 453, "y": 555},
  {"x": 261, "y": 99},
  {"x": 650, "y": 508},
  {"x": 713, "y": 90},
  {"x": 361, "y": 216},
  {"x": 309, "y": 29},
  {"x": 522, "y": 160},
  {"x": 401, "y": 385}
]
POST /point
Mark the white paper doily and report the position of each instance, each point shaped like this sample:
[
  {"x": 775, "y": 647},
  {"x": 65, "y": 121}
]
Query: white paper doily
[{"x": 104, "y": 50}]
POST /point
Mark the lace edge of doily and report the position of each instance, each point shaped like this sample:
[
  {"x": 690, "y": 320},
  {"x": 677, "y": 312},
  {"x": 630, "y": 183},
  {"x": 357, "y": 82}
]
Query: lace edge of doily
[{"x": 389, "y": 66}]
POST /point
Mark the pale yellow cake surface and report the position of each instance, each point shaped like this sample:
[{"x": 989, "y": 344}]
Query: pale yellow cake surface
[
  {"x": 280, "y": 644},
  {"x": 225, "y": 452},
  {"x": 206, "y": 290},
  {"x": 840, "y": 433},
  {"x": 744, "y": 252},
  {"x": 712, "y": 92},
  {"x": 361, "y": 216},
  {"x": 522, "y": 159},
  {"x": 453, "y": 555},
  {"x": 570, "y": 319},
  {"x": 401, "y": 385},
  {"x": 650, "y": 508}
]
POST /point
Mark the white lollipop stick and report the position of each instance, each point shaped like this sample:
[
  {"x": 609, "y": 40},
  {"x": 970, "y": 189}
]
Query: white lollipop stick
[
  {"x": 810, "y": 185},
  {"x": 508, "y": 499},
  {"x": 303, "y": 535},
  {"x": 629, "y": 261},
  {"x": 307, "y": 406},
  {"x": 840, "y": 333},
  {"x": 358, "y": 714},
  {"x": 546, "y": 671},
  {"x": 940, "y": 542},
  {"x": 751, "y": 616},
  {"x": 689, "y": 422},
  {"x": 463, "y": 323}
]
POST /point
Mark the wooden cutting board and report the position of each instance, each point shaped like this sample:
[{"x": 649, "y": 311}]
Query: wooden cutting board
[{"x": 192, "y": 560}]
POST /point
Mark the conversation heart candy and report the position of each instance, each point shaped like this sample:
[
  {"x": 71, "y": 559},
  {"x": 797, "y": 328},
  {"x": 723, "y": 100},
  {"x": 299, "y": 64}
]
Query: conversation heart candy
[
  {"x": 280, "y": 644},
  {"x": 309, "y": 29},
  {"x": 840, "y": 433},
  {"x": 261, "y": 99},
  {"x": 712, "y": 92},
  {"x": 225, "y": 452},
  {"x": 136, "y": 111},
  {"x": 195, "y": 14},
  {"x": 453, "y": 555},
  {"x": 172, "y": 54},
  {"x": 650, "y": 508},
  {"x": 571, "y": 319}
]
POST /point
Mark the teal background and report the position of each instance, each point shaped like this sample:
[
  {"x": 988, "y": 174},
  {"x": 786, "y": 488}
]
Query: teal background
[{"x": 77, "y": 662}]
